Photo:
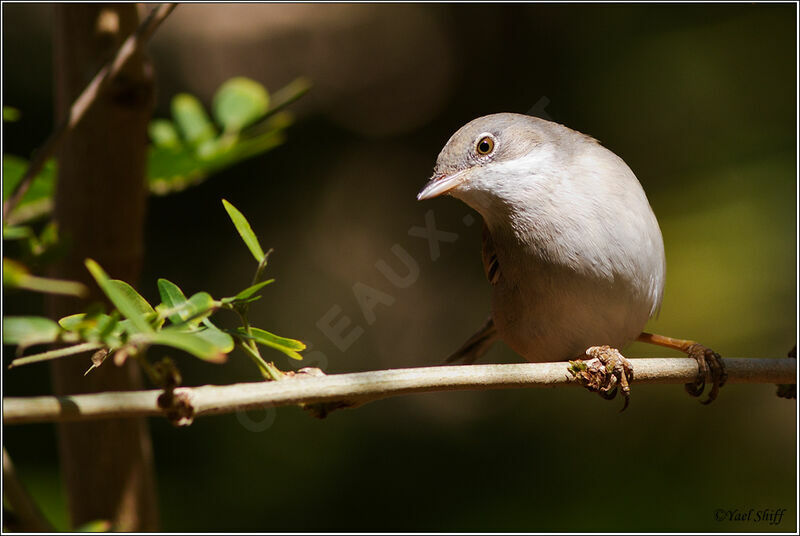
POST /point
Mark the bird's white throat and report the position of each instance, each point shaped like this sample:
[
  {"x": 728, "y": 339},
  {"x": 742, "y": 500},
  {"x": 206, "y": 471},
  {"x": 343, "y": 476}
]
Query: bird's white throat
[{"x": 504, "y": 191}]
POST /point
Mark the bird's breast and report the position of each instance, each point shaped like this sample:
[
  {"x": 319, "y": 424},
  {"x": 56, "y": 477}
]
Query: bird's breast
[{"x": 551, "y": 303}]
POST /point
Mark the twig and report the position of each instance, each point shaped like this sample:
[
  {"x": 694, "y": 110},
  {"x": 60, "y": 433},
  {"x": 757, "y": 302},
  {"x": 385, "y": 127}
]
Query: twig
[
  {"x": 348, "y": 390},
  {"x": 55, "y": 354},
  {"x": 29, "y": 517},
  {"x": 84, "y": 102}
]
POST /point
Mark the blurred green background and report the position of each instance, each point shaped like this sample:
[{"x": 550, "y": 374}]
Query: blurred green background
[{"x": 699, "y": 101}]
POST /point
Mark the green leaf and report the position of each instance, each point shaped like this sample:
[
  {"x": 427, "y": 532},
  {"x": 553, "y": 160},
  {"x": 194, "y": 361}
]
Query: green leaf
[
  {"x": 42, "y": 186},
  {"x": 217, "y": 337},
  {"x": 240, "y": 102},
  {"x": 95, "y": 327},
  {"x": 178, "y": 308},
  {"x": 84, "y": 321},
  {"x": 163, "y": 133},
  {"x": 143, "y": 307},
  {"x": 289, "y": 347},
  {"x": 193, "y": 310},
  {"x": 108, "y": 327},
  {"x": 210, "y": 150},
  {"x": 173, "y": 168},
  {"x": 192, "y": 119},
  {"x": 288, "y": 94},
  {"x": 41, "y": 249},
  {"x": 39, "y": 197},
  {"x": 247, "y": 147},
  {"x": 191, "y": 342},
  {"x": 200, "y": 305},
  {"x": 47, "y": 285},
  {"x": 10, "y": 114},
  {"x": 13, "y": 169},
  {"x": 49, "y": 235},
  {"x": 245, "y": 231},
  {"x": 248, "y": 292},
  {"x": 73, "y": 322},
  {"x": 131, "y": 295},
  {"x": 127, "y": 301},
  {"x": 13, "y": 273},
  {"x": 16, "y": 275},
  {"x": 98, "y": 525},
  {"x": 29, "y": 330},
  {"x": 249, "y": 300},
  {"x": 17, "y": 232},
  {"x": 172, "y": 296}
]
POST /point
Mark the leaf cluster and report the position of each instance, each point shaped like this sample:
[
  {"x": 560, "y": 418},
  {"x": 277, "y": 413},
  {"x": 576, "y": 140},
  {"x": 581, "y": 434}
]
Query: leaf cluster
[
  {"x": 191, "y": 146},
  {"x": 185, "y": 149},
  {"x": 133, "y": 325}
]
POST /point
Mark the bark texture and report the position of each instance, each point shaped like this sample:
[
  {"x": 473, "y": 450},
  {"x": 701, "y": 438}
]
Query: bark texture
[{"x": 107, "y": 466}]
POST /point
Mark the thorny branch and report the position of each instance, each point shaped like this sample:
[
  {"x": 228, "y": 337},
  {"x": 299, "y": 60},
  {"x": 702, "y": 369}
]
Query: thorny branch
[{"x": 321, "y": 393}]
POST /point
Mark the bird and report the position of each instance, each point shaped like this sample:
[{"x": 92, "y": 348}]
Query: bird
[{"x": 571, "y": 249}]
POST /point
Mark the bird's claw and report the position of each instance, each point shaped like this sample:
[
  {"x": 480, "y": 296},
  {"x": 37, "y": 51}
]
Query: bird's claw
[
  {"x": 605, "y": 371},
  {"x": 709, "y": 365}
]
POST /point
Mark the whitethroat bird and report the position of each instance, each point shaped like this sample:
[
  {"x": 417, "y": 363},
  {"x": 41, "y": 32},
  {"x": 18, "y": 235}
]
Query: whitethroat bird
[{"x": 571, "y": 248}]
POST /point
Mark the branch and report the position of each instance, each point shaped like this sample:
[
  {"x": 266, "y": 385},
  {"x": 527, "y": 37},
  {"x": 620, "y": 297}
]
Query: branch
[
  {"x": 55, "y": 354},
  {"x": 86, "y": 99},
  {"x": 322, "y": 393}
]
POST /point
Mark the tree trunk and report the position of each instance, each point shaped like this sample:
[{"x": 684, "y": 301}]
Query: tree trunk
[{"x": 107, "y": 466}]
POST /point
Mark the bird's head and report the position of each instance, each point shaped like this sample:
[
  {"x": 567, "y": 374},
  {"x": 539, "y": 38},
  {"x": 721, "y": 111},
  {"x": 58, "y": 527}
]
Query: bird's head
[{"x": 498, "y": 160}]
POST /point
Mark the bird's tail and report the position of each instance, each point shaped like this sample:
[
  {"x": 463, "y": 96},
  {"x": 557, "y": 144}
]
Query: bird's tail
[{"x": 476, "y": 346}]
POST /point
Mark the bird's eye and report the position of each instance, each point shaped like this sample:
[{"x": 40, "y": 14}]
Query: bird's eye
[{"x": 485, "y": 145}]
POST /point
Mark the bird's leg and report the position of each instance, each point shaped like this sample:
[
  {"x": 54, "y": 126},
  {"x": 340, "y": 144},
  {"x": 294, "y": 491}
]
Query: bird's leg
[
  {"x": 604, "y": 370},
  {"x": 709, "y": 363},
  {"x": 477, "y": 345}
]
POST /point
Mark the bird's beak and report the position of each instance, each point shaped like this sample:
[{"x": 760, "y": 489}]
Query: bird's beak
[{"x": 441, "y": 184}]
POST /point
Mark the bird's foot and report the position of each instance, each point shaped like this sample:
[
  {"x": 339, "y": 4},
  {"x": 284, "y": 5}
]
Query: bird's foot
[
  {"x": 604, "y": 370},
  {"x": 709, "y": 364}
]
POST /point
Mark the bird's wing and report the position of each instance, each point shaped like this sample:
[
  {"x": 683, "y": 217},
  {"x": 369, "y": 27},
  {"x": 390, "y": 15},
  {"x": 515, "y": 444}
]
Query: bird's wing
[{"x": 490, "y": 265}]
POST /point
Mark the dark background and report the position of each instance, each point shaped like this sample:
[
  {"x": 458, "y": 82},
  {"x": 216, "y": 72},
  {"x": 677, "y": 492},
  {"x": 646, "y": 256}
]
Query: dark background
[{"x": 700, "y": 101}]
